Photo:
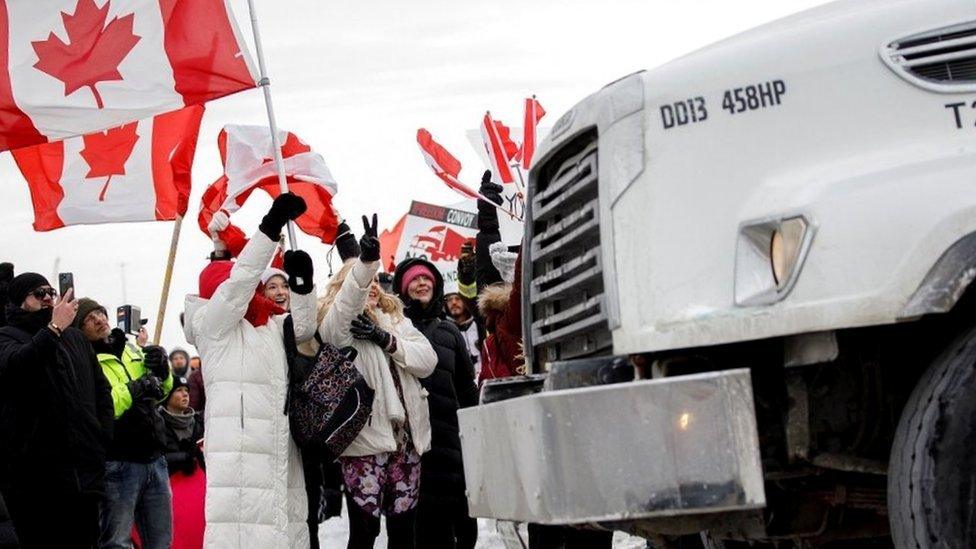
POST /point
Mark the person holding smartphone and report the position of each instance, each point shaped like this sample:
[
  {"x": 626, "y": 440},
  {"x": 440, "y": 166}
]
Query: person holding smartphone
[
  {"x": 55, "y": 419},
  {"x": 137, "y": 478}
]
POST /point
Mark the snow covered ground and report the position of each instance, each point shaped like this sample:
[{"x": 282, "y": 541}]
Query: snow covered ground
[{"x": 335, "y": 532}]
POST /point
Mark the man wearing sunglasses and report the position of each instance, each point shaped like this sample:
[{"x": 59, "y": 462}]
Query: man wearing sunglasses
[{"x": 55, "y": 419}]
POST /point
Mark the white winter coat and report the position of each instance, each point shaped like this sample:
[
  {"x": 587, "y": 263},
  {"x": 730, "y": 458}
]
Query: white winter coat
[
  {"x": 414, "y": 356},
  {"x": 255, "y": 485}
]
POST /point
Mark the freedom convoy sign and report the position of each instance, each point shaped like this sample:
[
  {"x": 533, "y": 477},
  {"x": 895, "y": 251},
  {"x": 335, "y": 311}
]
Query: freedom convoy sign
[{"x": 436, "y": 234}]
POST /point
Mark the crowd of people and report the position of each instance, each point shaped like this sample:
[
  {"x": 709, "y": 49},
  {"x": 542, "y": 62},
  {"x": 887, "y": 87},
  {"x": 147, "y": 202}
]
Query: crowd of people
[{"x": 109, "y": 441}]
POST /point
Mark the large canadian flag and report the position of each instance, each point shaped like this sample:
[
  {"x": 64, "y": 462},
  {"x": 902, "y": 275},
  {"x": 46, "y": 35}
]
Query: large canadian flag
[
  {"x": 135, "y": 172},
  {"x": 247, "y": 153},
  {"x": 74, "y": 67}
]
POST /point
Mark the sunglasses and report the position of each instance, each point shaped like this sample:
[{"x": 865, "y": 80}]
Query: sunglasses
[{"x": 41, "y": 293}]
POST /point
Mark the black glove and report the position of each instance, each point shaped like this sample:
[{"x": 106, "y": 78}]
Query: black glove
[
  {"x": 146, "y": 387},
  {"x": 116, "y": 341},
  {"x": 156, "y": 361},
  {"x": 369, "y": 243},
  {"x": 6, "y": 272},
  {"x": 487, "y": 214},
  {"x": 346, "y": 242},
  {"x": 285, "y": 208},
  {"x": 298, "y": 266},
  {"x": 363, "y": 328}
]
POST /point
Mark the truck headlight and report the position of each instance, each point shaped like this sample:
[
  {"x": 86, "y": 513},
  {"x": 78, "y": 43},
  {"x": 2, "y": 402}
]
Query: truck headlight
[{"x": 768, "y": 259}]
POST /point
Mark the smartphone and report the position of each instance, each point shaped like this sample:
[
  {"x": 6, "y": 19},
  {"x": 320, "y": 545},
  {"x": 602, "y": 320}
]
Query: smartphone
[
  {"x": 66, "y": 281},
  {"x": 129, "y": 319}
]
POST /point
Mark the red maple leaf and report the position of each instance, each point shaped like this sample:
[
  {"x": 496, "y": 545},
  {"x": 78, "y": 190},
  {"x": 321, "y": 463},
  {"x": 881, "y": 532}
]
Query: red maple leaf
[
  {"x": 94, "y": 52},
  {"x": 107, "y": 152}
]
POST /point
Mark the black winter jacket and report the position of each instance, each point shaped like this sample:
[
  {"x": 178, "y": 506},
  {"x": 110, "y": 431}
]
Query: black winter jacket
[
  {"x": 55, "y": 407},
  {"x": 451, "y": 387}
]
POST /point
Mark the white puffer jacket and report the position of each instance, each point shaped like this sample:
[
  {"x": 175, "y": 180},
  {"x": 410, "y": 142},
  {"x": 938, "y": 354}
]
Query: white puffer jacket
[
  {"x": 414, "y": 356},
  {"x": 255, "y": 486}
]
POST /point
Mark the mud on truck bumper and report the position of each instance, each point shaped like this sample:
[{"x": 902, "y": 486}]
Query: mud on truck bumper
[{"x": 619, "y": 452}]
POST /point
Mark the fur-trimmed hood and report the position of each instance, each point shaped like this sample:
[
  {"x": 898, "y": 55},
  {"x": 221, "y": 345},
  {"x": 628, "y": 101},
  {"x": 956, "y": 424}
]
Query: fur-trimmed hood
[{"x": 493, "y": 300}]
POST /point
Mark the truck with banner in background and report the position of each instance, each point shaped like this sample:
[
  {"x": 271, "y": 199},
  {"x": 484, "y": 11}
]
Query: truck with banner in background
[{"x": 747, "y": 300}]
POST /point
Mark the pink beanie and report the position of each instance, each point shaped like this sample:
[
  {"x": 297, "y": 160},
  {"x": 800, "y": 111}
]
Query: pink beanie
[{"x": 412, "y": 273}]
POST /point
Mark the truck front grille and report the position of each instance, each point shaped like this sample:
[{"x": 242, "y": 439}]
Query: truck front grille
[
  {"x": 566, "y": 311},
  {"x": 946, "y": 56}
]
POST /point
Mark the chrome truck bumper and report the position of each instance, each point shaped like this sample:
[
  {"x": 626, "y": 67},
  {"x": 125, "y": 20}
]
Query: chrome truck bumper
[{"x": 635, "y": 450}]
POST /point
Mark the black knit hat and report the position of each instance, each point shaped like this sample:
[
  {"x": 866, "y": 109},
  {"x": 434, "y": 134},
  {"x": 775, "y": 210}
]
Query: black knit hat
[
  {"x": 22, "y": 285},
  {"x": 85, "y": 307},
  {"x": 178, "y": 381}
]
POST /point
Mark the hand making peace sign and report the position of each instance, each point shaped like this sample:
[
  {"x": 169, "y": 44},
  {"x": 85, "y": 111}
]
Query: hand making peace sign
[{"x": 369, "y": 244}]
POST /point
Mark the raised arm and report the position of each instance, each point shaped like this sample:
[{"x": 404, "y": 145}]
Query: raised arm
[
  {"x": 354, "y": 292},
  {"x": 488, "y": 233},
  {"x": 350, "y": 301},
  {"x": 298, "y": 266},
  {"x": 229, "y": 303}
]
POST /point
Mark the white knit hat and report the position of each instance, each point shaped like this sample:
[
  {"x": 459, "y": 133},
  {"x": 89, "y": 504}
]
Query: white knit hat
[{"x": 270, "y": 272}]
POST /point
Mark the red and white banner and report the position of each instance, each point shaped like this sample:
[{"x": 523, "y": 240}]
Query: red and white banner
[
  {"x": 74, "y": 67},
  {"x": 533, "y": 114},
  {"x": 247, "y": 154},
  {"x": 436, "y": 233},
  {"x": 501, "y": 149},
  {"x": 443, "y": 163},
  {"x": 135, "y": 172}
]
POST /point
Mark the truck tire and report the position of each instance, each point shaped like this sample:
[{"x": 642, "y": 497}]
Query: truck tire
[{"x": 932, "y": 470}]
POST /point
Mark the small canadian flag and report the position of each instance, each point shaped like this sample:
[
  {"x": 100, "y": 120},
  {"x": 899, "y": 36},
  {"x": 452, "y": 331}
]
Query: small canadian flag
[{"x": 135, "y": 172}]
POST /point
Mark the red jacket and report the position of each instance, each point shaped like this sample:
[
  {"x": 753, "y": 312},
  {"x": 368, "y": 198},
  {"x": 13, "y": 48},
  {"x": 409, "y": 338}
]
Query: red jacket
[{"x": 501, "y": 306}]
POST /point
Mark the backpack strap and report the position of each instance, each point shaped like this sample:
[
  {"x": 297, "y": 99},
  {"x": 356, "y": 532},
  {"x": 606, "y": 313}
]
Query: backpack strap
[{"x": 291, "y": 352}]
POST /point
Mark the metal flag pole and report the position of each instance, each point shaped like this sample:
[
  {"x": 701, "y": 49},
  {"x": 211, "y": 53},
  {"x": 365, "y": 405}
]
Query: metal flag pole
[
  {"x": 482, "y": 197},
  {"x": 265, "y": 84},
  {"x": 167, "y": 279}
]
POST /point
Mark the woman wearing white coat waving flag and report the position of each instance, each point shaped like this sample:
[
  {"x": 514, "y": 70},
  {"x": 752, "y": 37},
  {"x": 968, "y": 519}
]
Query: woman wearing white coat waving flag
[{"x": 255, "y": 487}]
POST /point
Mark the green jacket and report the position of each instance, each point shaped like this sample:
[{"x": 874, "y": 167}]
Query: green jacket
[{"x": 120, "y": 372}]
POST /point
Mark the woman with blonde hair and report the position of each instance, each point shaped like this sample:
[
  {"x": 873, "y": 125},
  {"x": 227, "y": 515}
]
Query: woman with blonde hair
[{"x": 381, "y": 468}]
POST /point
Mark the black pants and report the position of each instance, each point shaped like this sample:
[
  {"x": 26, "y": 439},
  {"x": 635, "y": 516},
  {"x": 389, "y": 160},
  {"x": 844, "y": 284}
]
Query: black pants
[
  {"x": 364, "y": 528},
  {"x": 323, "y": 485},
  {"x": 46, "y": 517},
  {"x": 562, "y": 537},
  {"x": 445, "y": 526}
]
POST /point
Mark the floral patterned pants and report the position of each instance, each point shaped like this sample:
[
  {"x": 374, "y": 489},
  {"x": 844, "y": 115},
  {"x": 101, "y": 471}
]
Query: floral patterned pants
[{"x": 387, "y": 483}]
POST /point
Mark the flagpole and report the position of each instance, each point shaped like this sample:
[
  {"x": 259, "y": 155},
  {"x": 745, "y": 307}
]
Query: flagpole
[
  {"x": 167, "y": 279},
  {"x": 265, "y": 84},
  {"x": 482, "y": 197}
]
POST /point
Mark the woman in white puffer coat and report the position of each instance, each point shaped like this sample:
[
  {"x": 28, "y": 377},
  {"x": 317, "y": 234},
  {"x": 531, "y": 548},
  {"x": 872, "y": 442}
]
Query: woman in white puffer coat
[
  {"x": 381, "y": 468},
  {"x": 255, "y": 486}
]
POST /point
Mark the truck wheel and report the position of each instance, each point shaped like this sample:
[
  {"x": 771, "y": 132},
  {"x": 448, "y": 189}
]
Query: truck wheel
[{"x": 932, "y": 471}]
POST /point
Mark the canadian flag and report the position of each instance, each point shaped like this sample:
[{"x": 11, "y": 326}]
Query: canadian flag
[
  {"x": 247, "y": 155},
  {"x": 74, "y": 67},
  {"x": 135, "y": 172},
  {"x": 501, "y": 149},
  {"x": 443, "y": 163},
  {"x": 533, "y": 114}
]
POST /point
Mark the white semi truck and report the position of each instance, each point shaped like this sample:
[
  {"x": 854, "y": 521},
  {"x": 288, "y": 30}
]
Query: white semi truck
[{"x": 747, "y": 284}]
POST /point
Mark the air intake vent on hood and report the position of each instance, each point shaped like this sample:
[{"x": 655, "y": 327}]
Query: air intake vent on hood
[{"x": 939, "y": 60}]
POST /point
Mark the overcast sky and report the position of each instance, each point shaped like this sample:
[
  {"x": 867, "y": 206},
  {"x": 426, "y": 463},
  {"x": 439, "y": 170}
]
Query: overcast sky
[{"x": 355, "y": 79}]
